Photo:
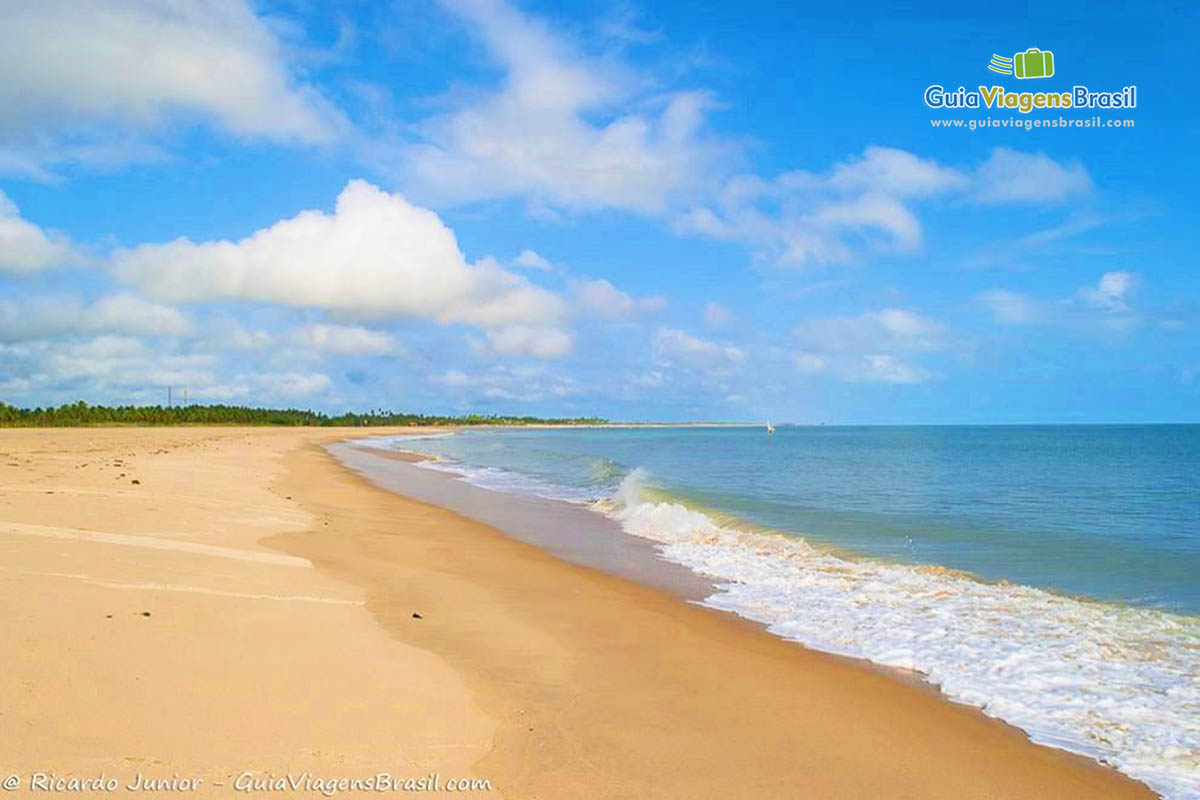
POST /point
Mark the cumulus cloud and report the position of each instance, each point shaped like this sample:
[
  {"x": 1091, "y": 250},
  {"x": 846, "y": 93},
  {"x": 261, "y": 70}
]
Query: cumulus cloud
[
  {"x": 875, "y": 347},
  {"x": 376, "y": 254},
  {"x": 682, "y": 348},
  {"x": 24, "y": 247},
  {"x": 48, "y": 317},
  {"x": 563, "y": 129},
  {"x": 531, "y": 260},
  {"x": 132, "y": 314},
  {"x": 344, "y": 340},
  {"x": 1010, "y": 176},
  {"x": 85, "y": 74},
  {"x": 530, "y": 340},
  {"x": 130, "y": 369},
  {"x": 600, "y": 298},
  {"x": 294, "y": 384},
  {"x": 227, "y": 333},
  {"x": 101, "y": 364}
]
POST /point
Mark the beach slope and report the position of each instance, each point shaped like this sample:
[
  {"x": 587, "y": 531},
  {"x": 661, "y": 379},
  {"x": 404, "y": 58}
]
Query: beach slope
[{"x": 301, "y": 619}]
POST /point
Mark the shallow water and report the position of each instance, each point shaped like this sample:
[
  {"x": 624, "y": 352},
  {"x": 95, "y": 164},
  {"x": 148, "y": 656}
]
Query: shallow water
[{"x": 1045, "y": 574}]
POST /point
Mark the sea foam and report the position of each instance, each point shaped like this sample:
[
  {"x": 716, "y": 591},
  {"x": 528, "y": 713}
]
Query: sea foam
[{"x": 1116, "y": 683}]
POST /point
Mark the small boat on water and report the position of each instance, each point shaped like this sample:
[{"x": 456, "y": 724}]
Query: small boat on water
[{"x": 770, "y": 428}]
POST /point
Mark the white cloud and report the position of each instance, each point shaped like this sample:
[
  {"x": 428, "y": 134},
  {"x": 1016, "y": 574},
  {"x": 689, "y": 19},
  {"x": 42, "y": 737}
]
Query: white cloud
[
  {"x": 451, "y": 377},
  {"x": 1012, "y": 308},
  {"x": 1078, "y": 222},
  {"x": 653, "y": 379},
  {"x": 344, "y": 339},
  {"x": 522, "y": 384},
  {"x": 84, "y": 74},
  {"x": 1111, "y": 292},
  {"x": 568, "y": 130},
  {"x": 531, "y": 260},
  {"x": 679, "y": 347},
  {"x": 877, "y": 213},
  {"x": 867, "y": 204},
  {"x": 811, "y": 363},
  {"x": 802, "y": 217},
  {"x": 1103, "y": 306},
  {"x": 227, "y": 333},
  {"x": 884, "y": 368},
  {"x": 600, "y": 298},
  {"x": 563, "y": 130},
  {"x": 876, "y": 346},
  {"x": 716, "y": 315},
  {"x": 46, "y": 317},
  {"x": 134, "y": 370},
  {"x": 295, "y": 385},
  {"x": 105, "y": 363},
  {"x": 375, "y": 255},
  {"x": 1010, "y": 176},
  {"x": 132, "y": 314},
  {"x": 262, "y": 388},
  {"x": 896, "y": 173},
  {"x": 863, "y": 368},
  {"x": 24, "y": 247},
  {"x": 530, "y": 340},
  {"x": 1042, "y": 245},
  {"x": 888, "y": 329}
]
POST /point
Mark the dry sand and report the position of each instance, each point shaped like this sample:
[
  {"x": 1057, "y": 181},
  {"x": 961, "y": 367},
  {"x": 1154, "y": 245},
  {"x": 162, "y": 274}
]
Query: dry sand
[{"x": 281, "y": 638}]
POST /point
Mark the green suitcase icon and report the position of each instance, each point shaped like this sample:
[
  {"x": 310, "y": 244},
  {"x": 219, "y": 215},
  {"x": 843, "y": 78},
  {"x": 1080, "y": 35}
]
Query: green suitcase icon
[{"x": 1033, "y": 63}]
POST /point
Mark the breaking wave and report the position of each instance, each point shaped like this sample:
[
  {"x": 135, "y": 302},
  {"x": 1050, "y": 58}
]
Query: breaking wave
[{"x": 1117, "y": 683}]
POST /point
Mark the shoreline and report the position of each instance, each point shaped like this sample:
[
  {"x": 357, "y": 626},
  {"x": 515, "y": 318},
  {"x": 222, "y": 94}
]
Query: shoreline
[
  {"x": 823, "y": 545},
  {"x": 694, "y": 592},
  {"x": 291, "y": 643},
  {"x": 849, "y": 670},
  {"x": 1102, "y": 679}
]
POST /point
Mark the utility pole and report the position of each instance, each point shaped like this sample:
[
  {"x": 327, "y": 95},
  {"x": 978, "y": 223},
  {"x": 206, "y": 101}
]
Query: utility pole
[{"x": 168, "y": 397}]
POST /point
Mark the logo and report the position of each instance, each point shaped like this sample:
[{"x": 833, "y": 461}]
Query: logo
[{"x": 1033, "y": 63}]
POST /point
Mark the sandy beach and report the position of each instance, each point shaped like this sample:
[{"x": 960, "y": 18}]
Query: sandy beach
[{"x": 207, "y": 603}]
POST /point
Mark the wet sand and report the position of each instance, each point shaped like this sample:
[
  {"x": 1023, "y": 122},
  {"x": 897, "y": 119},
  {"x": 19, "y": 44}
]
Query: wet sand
[
  {"x": 605, "y": 687},
  {"x": 341, "y": 628}
]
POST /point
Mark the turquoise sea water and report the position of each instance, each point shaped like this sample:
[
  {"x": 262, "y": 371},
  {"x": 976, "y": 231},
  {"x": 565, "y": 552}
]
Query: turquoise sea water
[
  {"x": 1112, "y": 512},
  {"x": 1049, "y": 575}
]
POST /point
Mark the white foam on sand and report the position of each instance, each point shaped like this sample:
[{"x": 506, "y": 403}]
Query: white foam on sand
[
  {"x": 1116, "y": 683},
  {"x": 502, "y": 480}
]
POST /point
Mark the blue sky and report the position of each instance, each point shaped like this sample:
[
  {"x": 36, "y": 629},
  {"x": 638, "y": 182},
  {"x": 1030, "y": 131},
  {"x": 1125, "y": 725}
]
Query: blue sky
[{"x": 642, "y": 211}]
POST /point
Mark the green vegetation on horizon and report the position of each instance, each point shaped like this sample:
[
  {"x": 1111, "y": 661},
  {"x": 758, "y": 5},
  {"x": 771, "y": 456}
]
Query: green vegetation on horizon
[{"x": 80, "y": 413}]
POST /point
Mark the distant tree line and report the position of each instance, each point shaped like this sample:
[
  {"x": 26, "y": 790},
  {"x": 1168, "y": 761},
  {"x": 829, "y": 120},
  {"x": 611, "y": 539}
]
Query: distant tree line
[{"x": 77, "y": 414}]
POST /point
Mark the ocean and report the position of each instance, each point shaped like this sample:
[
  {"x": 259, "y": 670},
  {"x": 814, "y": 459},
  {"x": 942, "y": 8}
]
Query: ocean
[{"x": 1049, "y": 575}]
